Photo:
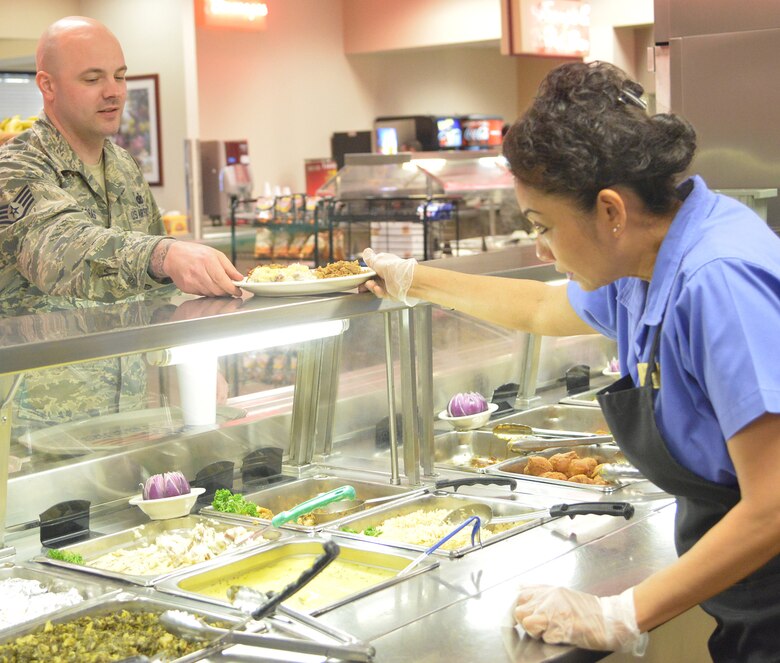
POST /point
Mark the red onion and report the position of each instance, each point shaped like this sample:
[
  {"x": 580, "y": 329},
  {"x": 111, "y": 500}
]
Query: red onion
[
  {"x": 467, "y": 404},
  {"x": 169, "y": 484}
]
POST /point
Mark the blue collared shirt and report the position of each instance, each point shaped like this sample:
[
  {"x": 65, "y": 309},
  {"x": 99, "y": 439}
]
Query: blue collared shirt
[{"x": 716, "y": 289}]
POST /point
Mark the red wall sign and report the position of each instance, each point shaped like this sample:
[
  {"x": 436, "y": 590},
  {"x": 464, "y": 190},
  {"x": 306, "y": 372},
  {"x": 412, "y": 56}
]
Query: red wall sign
[
  {"x": 231, "y": 14},
  {"x": 559, "y": 28}
]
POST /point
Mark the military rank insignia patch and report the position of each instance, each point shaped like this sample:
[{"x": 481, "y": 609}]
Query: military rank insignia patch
[{"x": 17, "y": 208}]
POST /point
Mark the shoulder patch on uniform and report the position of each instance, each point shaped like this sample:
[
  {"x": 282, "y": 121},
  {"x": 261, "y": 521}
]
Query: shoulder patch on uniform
[{"x": 17, "y": 209}]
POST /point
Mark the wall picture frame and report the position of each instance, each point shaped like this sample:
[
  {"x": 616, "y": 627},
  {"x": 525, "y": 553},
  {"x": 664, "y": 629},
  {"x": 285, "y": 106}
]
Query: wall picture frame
[{"x": 139, "y": 131}]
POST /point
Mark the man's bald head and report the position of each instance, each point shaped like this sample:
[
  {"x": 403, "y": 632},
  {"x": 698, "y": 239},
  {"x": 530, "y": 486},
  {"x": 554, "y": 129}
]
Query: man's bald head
[
  {"x": 81, "y": 76},
  {"x": 66, "y": 34}
]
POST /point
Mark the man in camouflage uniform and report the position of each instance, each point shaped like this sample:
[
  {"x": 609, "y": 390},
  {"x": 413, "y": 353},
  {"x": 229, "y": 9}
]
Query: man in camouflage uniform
[
  {"x": 77, "y": 218},
  {"x": 78, "y": 221}
]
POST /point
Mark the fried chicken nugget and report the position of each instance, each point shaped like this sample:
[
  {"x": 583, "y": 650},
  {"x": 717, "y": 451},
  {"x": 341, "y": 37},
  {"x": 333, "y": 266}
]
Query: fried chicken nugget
[
  {"x": 560, "y": 462},
  {"x": 582, "y": 466},
  {"x": 537, "y": 465},
  {"x": 560, "y": 476},
  {"x": 581, "y": 478}
]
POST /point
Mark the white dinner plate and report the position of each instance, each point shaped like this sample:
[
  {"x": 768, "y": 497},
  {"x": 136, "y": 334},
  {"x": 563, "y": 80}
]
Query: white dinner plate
[{"x": 312, "y": 287}]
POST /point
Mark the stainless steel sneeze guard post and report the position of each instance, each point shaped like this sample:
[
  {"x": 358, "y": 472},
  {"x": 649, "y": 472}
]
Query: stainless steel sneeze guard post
[
  {"x": 8, "y": 385},
  {"x": 423, "y": 320},
  {"x": 409, "y": 409}
]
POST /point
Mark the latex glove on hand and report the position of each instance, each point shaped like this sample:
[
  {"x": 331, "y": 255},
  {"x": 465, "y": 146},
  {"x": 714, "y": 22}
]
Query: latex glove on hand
[
  {"x": 396, "y": 275},
  {"x": 563, "y": 616}
]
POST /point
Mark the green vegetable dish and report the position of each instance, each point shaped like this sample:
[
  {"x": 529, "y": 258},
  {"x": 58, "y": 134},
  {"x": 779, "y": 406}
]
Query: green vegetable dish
[
  {"x": 65, "y": 556},
  {"x": 369, "y": 531},
  {"x": 111, "y": 637},
  {"x": 227, "y": 502}
]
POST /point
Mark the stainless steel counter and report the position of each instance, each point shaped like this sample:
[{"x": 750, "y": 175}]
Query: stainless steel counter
[{"x": 466, "y": 601}]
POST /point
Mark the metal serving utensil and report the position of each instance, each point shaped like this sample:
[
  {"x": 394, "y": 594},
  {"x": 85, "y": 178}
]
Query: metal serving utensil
[
  {"x": 508, "y": 431},
  {"x": 345, "y": 507},
  {"x": 341, "y": 493},
  {"x": 475, "y": 520},
  {"x": 190, "y": 627},
  {"x": 521, "y": 445},
  {"x": 485, "y": 513}
]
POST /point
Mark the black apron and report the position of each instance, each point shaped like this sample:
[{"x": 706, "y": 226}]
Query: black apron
[{"x": 748, "y": 613}]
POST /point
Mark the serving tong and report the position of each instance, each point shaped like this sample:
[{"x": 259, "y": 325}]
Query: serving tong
[
  {"x": 484, "y": 513},
  {"x": 476, "y": 524},
  {"x": 340, "y": 493},
  {"x": 521, "y": 438},
  {"x": 192, "y": 628}
]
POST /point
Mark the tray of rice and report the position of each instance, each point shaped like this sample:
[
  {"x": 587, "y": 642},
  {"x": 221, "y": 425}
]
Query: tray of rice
[{"x": 417, "y": 523}]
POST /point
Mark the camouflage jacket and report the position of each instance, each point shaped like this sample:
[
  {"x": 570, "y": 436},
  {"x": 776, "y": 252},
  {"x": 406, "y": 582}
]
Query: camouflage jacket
[{"x": 59, "y": 235}]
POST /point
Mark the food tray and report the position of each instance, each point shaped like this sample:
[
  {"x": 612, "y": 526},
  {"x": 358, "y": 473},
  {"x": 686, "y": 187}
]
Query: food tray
[
  {"x": 189, "y": 584},
  {"x": 138, "y": 536},
  {"x": 584, "y": 398},
  {"x": 132, "y": 603},
  {"x": 287, "y": 495},
  {"x": 54, "y": 583},
  {"x": 603, "y": 453},
  {"x": 500, "y": 507},
  {"x": 558, "y": 417},
  {"x": 469, "y": 451}
]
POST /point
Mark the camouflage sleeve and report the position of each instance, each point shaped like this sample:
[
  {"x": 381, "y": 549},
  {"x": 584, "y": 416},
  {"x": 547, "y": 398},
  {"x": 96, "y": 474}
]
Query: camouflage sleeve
[{"x": 62, "y": 251}]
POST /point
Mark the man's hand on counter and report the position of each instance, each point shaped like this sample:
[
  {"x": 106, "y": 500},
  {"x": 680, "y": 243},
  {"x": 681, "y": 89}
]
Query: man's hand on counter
[
  {"x": 194, "y": 268},
  {"x": 563, "y": 616}
]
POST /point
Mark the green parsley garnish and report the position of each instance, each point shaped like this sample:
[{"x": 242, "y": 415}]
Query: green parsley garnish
[
  {"x": 65, "y": 556},
  {"x": 228, "y": 502},
  {"x": 372, "y": 531}
]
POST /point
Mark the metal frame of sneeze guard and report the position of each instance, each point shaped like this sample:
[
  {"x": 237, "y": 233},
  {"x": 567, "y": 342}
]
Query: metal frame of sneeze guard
[
  {"x": 526, "y": 394},
  {"x": 415, "y": 343},
  {"x": 8, "y": 385}
]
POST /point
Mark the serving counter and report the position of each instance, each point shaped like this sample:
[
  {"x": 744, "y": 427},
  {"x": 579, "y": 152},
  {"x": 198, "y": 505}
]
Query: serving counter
[{"x": 358, "y": 405}]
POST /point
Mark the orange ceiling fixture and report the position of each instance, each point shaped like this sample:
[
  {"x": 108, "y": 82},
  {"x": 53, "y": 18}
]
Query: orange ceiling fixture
[{"x": 232, "y": 14}]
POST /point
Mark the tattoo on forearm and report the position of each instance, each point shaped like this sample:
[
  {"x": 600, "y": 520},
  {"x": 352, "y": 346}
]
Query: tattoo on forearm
[{"x": 156, "y": 270}]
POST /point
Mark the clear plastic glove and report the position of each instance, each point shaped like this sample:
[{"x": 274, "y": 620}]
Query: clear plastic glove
[
  {"x": 563, "y": 616},
  {"x": 396, "y": 273}
]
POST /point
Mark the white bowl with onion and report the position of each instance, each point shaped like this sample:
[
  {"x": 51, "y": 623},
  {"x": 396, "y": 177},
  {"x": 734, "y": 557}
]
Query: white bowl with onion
[
  {"x": 467, "y": 411},
  {"x": 166, "y": 495}
]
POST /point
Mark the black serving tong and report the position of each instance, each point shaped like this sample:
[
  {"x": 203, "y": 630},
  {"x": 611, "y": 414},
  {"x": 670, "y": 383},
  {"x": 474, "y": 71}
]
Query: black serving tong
[{"x": 190, "y": 627}]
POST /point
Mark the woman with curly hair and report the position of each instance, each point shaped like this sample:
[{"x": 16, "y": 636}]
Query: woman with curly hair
[{"x": 687, "y": 281}]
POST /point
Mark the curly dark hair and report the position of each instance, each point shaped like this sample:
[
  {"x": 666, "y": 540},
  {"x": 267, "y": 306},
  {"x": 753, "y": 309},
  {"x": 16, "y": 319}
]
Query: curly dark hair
[{"x": 587, "y": 130}]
